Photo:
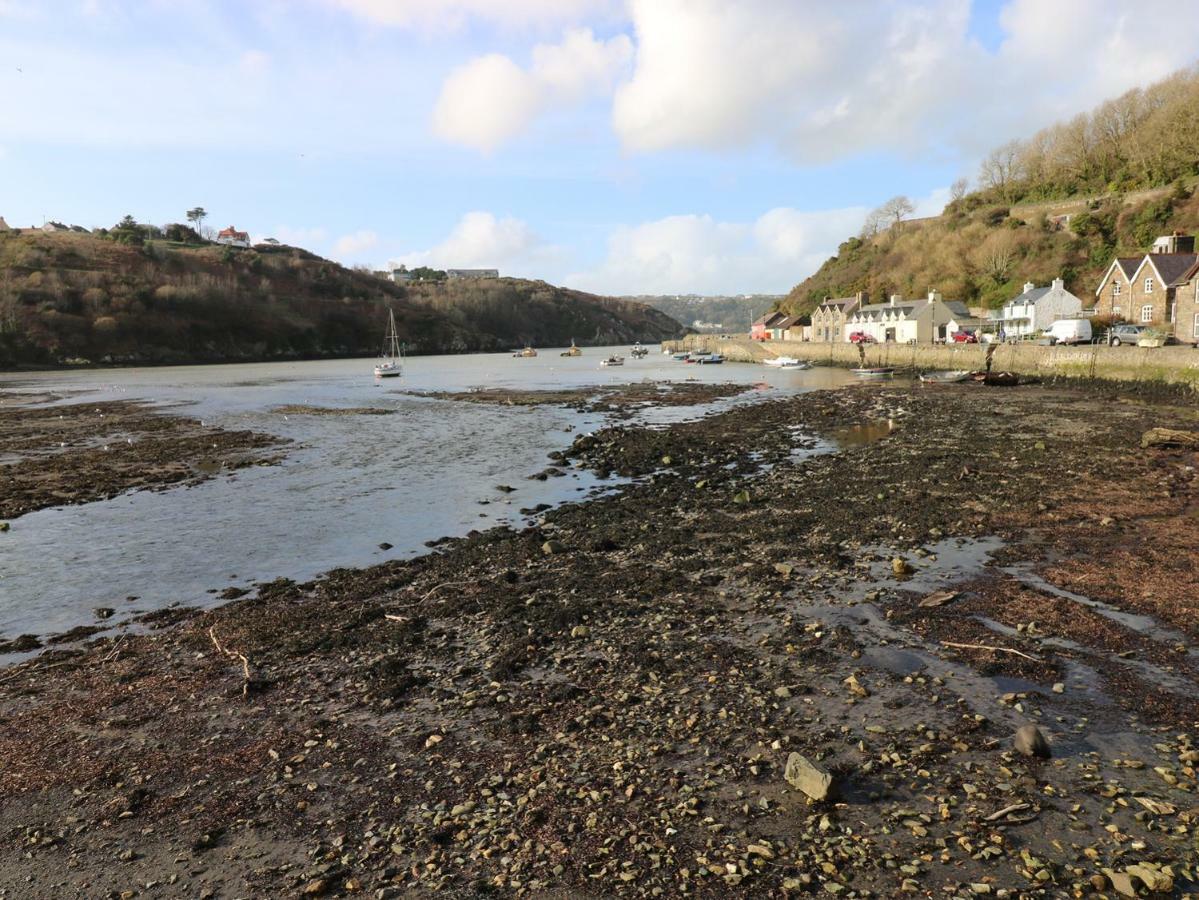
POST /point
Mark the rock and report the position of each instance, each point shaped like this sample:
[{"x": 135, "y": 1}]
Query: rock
[
  {"x": 939, "y": 598},
  {"x": 782, "y": 692},
  {"x": 385, "y": 546},
  {"x": 4, "y": 526},
  {"x": 666, "y": 460},
  {"x": 784, "y": 569},
  {"x": 580, "y": 631},
  {"x": 1059, "y": 687},
  {"x": 809, "y": 778},
  {"x": 316, "y": 888},
  {"x": 901, "y": 566},
  {"x": 855, "y": 686},
  {"x": 103, "y": 612},
  {"x": 741, "y": 497},
  {"x": 1170, "y": 438},
  {"x": 550, "y": 547},
  {"x": 507, "y": 489},
  {"x": 1030, "y": 742}
]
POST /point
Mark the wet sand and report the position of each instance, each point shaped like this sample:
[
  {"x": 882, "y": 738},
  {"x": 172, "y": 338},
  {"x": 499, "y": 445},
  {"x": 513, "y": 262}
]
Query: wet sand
[{"x": 605, "y": 701}]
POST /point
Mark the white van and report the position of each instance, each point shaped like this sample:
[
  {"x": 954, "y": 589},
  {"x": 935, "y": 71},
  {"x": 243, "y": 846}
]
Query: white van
[{"x": 1069, "y": 331}]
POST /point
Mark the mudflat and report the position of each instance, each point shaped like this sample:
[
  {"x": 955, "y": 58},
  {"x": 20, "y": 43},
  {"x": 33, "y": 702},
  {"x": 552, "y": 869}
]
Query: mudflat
[
  {"x": 55, "y": 454},
  {"x": 800, "y": 653}
]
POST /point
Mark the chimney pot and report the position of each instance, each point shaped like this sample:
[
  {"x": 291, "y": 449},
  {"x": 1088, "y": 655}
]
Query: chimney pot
[{"x": 1028, "y": 286}]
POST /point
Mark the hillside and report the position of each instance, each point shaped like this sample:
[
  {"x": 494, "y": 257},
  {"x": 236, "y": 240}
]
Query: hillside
[
  {"x": 79, "y": 297},
  {"x": 718, "y": 313},
  {"x": 1062, "y": 203}
]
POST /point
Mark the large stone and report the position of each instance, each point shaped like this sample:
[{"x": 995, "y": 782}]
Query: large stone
[
  {"x": 552, "y": 547},
  {"x": 808, "y": 777},
  {"x": 1169, "y": 437},
  {"x": 1030, "y": 742}
]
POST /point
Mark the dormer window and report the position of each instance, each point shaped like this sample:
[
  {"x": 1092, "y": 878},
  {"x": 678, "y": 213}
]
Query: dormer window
[{"x": 1148, "y": 285}]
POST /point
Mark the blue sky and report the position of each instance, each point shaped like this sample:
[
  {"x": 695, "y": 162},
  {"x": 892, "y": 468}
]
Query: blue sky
[{"x": 623, "y": 146}]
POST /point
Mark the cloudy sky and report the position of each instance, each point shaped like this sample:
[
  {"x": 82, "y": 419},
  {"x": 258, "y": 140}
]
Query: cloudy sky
[{"x": 622, "y": 146}]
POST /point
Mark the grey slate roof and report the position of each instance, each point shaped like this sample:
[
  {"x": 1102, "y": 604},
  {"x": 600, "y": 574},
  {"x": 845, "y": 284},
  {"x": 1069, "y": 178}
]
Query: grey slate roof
[
  {"x": 1129, "y": 264},
  {"x": 1173, "y": 267},
  {"x": 957, "y": 307}
]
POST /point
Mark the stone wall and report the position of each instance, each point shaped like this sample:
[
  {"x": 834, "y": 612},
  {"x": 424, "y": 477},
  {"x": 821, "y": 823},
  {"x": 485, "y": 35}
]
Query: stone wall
[{"x": 1171, "y": 365}]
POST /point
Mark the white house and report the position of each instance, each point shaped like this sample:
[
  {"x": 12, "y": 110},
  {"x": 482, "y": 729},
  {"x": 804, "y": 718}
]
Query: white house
[
  {"x": 232, "y": 237},
  {"x": 1038, "y": 308},
  {"x": 907, "y": 321}
]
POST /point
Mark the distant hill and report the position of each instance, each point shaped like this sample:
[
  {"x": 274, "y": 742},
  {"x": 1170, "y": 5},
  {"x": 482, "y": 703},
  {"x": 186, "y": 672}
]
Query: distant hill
[
  {"x": 68, "y": 297},
  {"x": 1062, "y": 203},
  {"x": 699, "y": 313}
]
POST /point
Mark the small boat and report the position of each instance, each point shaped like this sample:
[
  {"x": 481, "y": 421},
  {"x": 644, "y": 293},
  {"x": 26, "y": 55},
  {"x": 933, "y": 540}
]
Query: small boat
[
  {"x": 787, "y": 362},
  {"x": 612, "y": 361},
  {"x": 390, "y": 364},
  {"x": 639, "y": 352},
  {"x": 949, "y": 376},
  {"x": 527, "y": 353},
  {"x": 877, "y": 372},
  {"x": 681, "y": 357},
  {"x": 709, "y": 359},
  {"x": 573, "y": 351}
]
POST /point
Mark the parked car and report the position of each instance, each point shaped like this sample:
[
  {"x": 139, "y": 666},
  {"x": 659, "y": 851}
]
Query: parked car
[
  {"x": 1124, "y": 334},
  {"x": 1069, "y": 331},
  {"x": 965, "y": 337},
  {"x": 861, "y": 337}
]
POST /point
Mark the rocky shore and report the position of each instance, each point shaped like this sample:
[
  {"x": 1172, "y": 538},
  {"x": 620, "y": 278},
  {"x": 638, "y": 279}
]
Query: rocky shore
[{"x": 870, "y": 642}]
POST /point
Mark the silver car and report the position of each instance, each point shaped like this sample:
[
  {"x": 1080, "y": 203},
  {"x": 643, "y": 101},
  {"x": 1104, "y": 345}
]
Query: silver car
[{"x": 1124, "y": 334}]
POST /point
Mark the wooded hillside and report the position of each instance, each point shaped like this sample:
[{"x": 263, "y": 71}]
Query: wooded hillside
[
  {"x": 1122, "y": 174},
  {"x": 80, "y": 297}
]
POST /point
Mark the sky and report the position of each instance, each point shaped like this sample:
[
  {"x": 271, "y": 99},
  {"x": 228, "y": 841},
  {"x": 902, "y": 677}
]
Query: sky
[{"x": 618, "y": 146}]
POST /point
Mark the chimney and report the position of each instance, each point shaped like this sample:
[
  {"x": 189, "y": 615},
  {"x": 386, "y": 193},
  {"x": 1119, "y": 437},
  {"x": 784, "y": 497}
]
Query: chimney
[
  {"x": 1178, "y": 242},
  {"x": 1058, "y": 284},
  {"x": 895, "y": 298},
  {"x": 934, "y": 296},
  {"x": 1028, "y": 286},
  {"x": 863, "y": 298}
]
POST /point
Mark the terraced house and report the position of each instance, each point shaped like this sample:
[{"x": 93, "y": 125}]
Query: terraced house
[
  {"x": 829, "y": 318},
  {"x": 1157, "y": 290}
]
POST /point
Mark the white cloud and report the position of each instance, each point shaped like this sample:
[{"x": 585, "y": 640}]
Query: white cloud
[
  {"x": 820, "y": 81},
  {"x": 491, "y": 99},
  {"x": 698, "y": 254},
  {"x": 480, "y": 240},
  {"x": 442, "y": 15},
  {"x": 350, "y": 247}
]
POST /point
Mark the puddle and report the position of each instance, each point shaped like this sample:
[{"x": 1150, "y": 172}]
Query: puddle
[
  {"x": 851, "y": 436},
  {"x": 894, "y": 660}
]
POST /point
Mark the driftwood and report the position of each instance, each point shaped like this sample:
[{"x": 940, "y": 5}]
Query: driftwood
[
  {"x": 940, "y": 598},
  {"x": 1015, "y": 807},
  {"x": 233, "y": 654},
  {"x": 992, "y": 649}
]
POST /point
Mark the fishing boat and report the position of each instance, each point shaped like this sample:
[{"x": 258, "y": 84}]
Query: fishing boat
[
  {"x": 876, "y": 372},
  {"x": 709, "y": 359},
  {"x": 390, "y": 364},
  {"x": 639, "y": 352},
  {"x": 787, "y": 362},
  {"x": 572, "y": 351},
  {"x": 527, "y": 353},
  {"x": 612, "y": 361},
  {"x": 949, "y": 376},
  {"x": 681, "y": 357}
]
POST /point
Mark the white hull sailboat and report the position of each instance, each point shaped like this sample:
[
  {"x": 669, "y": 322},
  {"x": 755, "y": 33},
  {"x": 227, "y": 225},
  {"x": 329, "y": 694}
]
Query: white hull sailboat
[{"x": 390, "y": 363}]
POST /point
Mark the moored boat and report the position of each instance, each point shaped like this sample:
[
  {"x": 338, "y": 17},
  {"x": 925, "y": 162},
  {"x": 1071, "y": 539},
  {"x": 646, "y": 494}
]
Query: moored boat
[
  {"x": 786, "y": 362},
  {"x": 612, "y": 361},
  {"x": 572, "y": 350},
  {"x": 876, "y": 372},
  {"x": 709, "y": 359},
  {"x": 638, "y": 352},
  {"x": 527, "y": 353},
  {"x": 949, "y": 376},
  {"x": 390, "y": 364}
]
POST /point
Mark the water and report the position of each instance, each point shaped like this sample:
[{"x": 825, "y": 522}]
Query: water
[{"x": 348, "y": 483}]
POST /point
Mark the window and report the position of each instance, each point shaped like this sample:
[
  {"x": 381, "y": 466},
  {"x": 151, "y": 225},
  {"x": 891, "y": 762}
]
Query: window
[
  {"x": 1147, "y": 312},
  {"x": 1172, "y": 311},
  {"x": 1116, "y": 310},
  {"x": 1115, "y": 289},
  {"x": 1148, "y": 285},
  {"x": 1195, "y": 332}
]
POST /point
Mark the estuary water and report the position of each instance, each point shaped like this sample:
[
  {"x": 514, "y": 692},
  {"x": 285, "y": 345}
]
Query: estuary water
[{"x": 346, "y": 485}]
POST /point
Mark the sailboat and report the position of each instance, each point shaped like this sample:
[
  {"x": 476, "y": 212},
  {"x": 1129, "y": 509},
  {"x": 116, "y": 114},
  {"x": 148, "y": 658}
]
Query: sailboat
[{"x": 390, "y": 359}]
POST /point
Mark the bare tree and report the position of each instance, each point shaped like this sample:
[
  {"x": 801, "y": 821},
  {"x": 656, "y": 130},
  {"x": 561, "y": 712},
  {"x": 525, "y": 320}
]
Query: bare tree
[
  {"x": 896, "y": 210},
  {"x": 1000, "y": 168},
  {"x": 958, "y": 189}
]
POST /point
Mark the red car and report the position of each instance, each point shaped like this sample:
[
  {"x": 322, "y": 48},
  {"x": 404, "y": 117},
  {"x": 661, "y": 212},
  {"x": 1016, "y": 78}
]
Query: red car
[
  {"x": 965, "y": 337},
  {"x": 860, "y": 337}
]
